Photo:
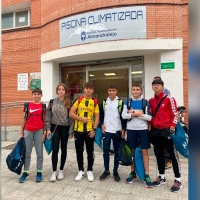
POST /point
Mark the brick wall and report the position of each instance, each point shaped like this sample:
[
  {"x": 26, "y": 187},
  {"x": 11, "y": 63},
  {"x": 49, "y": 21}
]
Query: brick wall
[{"x": 21, "y": 50}]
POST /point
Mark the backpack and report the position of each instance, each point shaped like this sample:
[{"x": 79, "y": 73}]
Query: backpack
[
  {"x": 26, "y": 105},
  {"x": 120, "y": 107},
  {"x": 144, "y": 104},
  {"x": 81, "y": 97}
]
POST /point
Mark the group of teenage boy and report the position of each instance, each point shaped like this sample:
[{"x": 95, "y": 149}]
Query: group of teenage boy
[{"x": 143, "y": 121}]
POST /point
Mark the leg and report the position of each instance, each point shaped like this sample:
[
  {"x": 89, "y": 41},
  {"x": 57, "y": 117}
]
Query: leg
[
  {"x": 79, "y": 142},
  {"x": 106, "y": 148},
  {"x": 64, "y": 139},
  {"x": 28, "y": 136},
  {"x": 89, "y": 142},
  {"x": 145, "y": 156},
  {"x": 39, "y": 148},
  {"x": 55, "y": 146}
]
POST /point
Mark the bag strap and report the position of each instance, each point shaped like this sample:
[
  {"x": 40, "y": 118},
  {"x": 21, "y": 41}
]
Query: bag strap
[
  {"x": 144, "y": 104},
  {"x": 158, "y": 106},
  {"x": 58, "y": 121},
  {"x": 129, "y": 103}
]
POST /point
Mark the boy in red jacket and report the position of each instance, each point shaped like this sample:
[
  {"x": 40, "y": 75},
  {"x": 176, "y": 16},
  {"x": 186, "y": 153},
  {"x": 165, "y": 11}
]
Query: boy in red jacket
[{"x": 164, "y": 113}]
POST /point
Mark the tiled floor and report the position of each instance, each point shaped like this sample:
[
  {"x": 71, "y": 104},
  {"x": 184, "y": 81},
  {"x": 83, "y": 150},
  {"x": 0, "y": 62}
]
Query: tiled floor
[{"x": 68, "y": 189}]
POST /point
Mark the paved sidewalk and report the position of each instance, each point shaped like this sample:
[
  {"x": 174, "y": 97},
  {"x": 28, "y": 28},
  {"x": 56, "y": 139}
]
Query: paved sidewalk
[{"x": 68, "y": 189}]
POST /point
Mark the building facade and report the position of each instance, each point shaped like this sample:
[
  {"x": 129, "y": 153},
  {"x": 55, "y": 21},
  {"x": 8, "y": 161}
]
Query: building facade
[{"x": 47, "y": 42}]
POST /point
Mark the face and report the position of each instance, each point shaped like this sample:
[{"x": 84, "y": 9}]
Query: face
[
  {"x": 136, "y": 92},
  {"x": 88, "y": 91},
  {"x": 61, "y": 91},
  {"x": 112, "y": 92},
  {"x": 36, "y": 97},
  {"x": 157, "y": 88}
]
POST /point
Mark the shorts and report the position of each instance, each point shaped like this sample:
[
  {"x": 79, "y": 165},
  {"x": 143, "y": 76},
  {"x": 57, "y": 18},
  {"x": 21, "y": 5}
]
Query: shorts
[{"x": 138, "y": 137}]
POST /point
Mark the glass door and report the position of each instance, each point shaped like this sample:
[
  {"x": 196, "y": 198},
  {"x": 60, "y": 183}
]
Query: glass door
[{"x": 102, "y": 75}]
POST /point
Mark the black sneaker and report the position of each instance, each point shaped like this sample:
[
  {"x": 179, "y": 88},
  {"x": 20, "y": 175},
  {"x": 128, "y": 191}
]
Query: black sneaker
[
  {"x": 159, "y": 181},
  {"x": 116, "y": 176},
  {"x": 104, "y": 176},
  {"x": 176, "y": 187}
]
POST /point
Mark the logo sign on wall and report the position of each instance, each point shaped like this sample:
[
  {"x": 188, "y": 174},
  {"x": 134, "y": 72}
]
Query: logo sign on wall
[
  {"x": 103, "y": 25},
  {"x": 35, "y": 80}
]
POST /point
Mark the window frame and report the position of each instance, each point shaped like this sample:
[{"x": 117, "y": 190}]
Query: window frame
[{"x": 14, "y": 19}]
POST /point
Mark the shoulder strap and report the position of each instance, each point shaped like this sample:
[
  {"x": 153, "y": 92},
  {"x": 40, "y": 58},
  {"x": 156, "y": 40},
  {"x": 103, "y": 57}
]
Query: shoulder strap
[
  {"x": 43, "y": 109},
  {"x": 158, "y": 106},
  {"x": 144, "y": 104},
  {"x": 26, "y": 104},
  {"x": 104, "y": 103},
  {"x": 95, "y": 101},
  {"x": 120, "y": 102},
  {"x": 51, "y": 104},
  {"x": 129, "y": 103}
]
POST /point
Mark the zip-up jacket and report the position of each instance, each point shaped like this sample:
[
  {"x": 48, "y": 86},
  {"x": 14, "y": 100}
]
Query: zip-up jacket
[
  {"x": 136, "y": 123},
  {"x": 110, "y": 116},
  {"x": 166, "y": 115},
  {"x": 53, "y": 115}
]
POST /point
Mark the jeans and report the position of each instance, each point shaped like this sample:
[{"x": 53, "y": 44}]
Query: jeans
[{"x": 106, "y": 148}]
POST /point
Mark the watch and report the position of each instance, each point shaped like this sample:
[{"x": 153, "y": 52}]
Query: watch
[{"x": 94, "y": 129}]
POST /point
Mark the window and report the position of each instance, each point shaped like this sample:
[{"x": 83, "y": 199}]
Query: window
[{"x": 15, "y": 19}]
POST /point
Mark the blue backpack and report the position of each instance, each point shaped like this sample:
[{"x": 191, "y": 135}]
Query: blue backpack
[
  {"x": 15, "y": 160},
  {"x": 181, "y": 140},
  {"x": 48, "y": 144}
]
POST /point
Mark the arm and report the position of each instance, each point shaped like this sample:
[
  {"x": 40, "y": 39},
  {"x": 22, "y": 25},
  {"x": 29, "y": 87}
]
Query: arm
[
  {"x": 21, "y": 132},
  {"x": 173, "y": 113},
  {"x": 48, "y": 119},
  {"x": 147, "y": 115},
  {"x": 125, "y": 113},
  {"x": 71, "y": 127}
]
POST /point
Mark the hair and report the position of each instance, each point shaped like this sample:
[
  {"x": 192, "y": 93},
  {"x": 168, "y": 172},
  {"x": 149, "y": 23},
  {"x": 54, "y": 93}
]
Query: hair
[
  {"x": 89, "y": 85},
  {"x": 112, "y": 86},
  {"x": 67, "y": 102},
  {"x": 137, "y": 85},
  {"x": 37, "y": 90},
  {"x": 158, "y": 81},
  {"x": 157, "y": 77}
]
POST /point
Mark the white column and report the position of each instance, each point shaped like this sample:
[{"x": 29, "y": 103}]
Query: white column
[
  {"x": 151, "y": 69},
  {"x": 173, "y": 81},
  {"x": 49, "y": 79}
]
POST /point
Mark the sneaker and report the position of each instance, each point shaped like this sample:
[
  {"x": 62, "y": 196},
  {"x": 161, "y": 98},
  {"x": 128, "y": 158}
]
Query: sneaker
[
  {"x": 104, "y": 176},
  {"x": 116, "y": 176},
  {"x": 168, "y": 164},
  {"x": 131, "y": 177},
  {"x": 24, "y": 177},
  {"x": 159, "y": 181},
  {"x": 79, "y": 175},
  {"x": 38, "y": 177},
  {"x": 60, "y": 175},
  {"x": 90, "y": 176},
  {"x": 148, "y": 182},
  {"x": 53, "y": 177},
  {"x": 176, "y": 187}
]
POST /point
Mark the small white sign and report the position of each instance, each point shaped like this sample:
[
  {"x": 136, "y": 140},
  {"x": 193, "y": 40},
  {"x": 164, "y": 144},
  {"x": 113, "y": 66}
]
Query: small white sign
[
  {"x": 21, "y": 19},
  {"x": 22, "y": 82}
]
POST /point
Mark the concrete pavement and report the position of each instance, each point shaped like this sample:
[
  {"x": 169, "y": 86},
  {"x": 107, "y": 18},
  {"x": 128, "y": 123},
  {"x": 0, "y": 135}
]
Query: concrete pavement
[{"x": 68, "y": 189}]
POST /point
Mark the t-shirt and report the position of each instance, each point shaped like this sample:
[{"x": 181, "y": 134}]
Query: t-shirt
[
  {"x": 85, "y": 108},
  {"x": 34, "y": 121}
]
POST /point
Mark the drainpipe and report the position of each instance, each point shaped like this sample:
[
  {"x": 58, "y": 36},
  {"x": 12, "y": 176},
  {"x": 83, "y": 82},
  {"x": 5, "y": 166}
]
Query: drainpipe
[{"x": 5, "y": 123}]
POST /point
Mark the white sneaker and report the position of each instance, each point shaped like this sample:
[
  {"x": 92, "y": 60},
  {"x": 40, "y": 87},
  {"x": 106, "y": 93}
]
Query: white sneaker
[
  {"x": 79, "y": 175},
  {"x": 60, "y": 175},
  {"x": 90, "y": 176},
  {"x": 53, "y": 177}
]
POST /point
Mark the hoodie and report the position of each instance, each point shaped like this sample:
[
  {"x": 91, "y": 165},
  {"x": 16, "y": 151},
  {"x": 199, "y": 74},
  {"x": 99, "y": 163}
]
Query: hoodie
[
  {"x": 136, "y": 123},
  {"x": 53, "y": 115}
]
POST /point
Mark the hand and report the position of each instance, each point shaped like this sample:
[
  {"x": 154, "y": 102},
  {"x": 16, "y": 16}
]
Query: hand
[
  {"x": 43, "y": 138},
  {"x": 91, "y": 134},
  {"x": 48, "y": 133},
  {"x": 172, "y": 130},
  {"x": 139, "y": 113},
  {"x": 85, "y": 119},
  {"x": 131, "y": 111},
  {"x": 123, "y": 134},
  {"x": 70, "y": 136},
  {"x": 21, "y": 135},
  {"x": 103, "y": 128}
]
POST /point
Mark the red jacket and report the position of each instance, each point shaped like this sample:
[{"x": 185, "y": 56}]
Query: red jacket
[{"x": 166, "y": 115}]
